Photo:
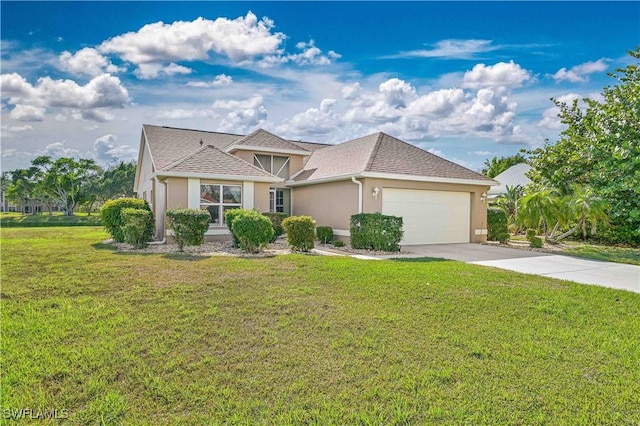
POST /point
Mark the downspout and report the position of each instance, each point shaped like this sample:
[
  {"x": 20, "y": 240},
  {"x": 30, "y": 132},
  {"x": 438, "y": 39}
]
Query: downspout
[
  {"x": 164, "y": 234},
  {"x": 354, "y": 180}
]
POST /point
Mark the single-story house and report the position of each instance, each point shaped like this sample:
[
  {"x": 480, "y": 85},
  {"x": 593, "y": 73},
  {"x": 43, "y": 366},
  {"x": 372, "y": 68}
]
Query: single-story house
[
  {"x": 515, "y": 175},
  {"x": 440, "y": 201}
]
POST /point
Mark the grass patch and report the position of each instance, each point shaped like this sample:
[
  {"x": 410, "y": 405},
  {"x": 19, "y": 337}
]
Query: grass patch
[
  {"x": 18, "y": 220},
  {"x": 303, "y": 339},
  {"x": 606, "y": 253}
]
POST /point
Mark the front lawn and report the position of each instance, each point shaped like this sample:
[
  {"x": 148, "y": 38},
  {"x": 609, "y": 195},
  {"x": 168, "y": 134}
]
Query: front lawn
[
  {"x": 13, "y": 220},
  {"x": 606, "y": 253},
  {"x": 157, "y": 339}
]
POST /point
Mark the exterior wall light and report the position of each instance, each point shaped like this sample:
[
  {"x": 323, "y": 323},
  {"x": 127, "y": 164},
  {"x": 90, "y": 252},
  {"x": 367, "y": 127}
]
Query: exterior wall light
[
  {"x": 483, "y": 197},
  {"x": 375, "y": 192}
]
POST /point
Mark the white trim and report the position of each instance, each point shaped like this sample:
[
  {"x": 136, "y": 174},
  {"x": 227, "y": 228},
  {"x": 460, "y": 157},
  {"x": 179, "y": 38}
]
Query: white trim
[
  {"x": 394, "y": 176},
  {"x": 233, "y": 148},
  {"x": 212, "y": 176},
  {"x": 342, "y": 232},
  {"x": 193, "y": 191},
  {"x": 247, "y": 195}
]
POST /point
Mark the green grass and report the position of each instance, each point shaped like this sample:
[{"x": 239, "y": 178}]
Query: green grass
[
  {"x": 171, "y": 339},
  {"x": 18, "y": 220},
  {"x": 606, "y": 253}
]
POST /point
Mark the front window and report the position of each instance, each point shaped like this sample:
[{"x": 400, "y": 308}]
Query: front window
[{"x": 216, "y": 199}]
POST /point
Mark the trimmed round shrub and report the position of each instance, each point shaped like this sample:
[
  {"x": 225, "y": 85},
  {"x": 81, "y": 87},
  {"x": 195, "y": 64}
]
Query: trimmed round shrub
[
  {"x": 276, "y": 222},
  {"x": 496, "y": 224},
  {"x": 301, "y": 232},
  {"x": 535, "y": 242},
  {"x": 188, "y": 225},
  {"x": 530, "y": 234},
  {"x": 338, "y": 243},
  {"x": 229, "y": 217},
  {"x": 111, "y": 214},
  {"x": 253, "y": 231},
  {"x": 504, "y": 237},
  {"x": 324, "y": 233},
  {"x": 138, "y": 226}
]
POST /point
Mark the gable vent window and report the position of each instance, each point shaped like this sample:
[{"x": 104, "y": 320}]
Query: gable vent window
[{"x": 273, "y": 164}]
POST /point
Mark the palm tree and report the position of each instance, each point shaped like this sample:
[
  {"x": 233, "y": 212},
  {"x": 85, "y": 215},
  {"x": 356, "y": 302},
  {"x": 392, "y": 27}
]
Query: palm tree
[
  {"x": 509, "y": 201},
  {"x": 539, "y": 207},
  {"x": 584, "y": 207}
]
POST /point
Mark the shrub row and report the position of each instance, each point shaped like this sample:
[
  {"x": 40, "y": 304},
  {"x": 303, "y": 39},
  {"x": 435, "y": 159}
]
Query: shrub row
[
  {"x": 114, "y": 222},
  {"x": 375, "y": 231}
]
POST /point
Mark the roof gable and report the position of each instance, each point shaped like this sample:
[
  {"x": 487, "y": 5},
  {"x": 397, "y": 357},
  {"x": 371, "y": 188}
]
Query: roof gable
[
  {"x": 266, "y": 141},
  {"x": 209, "y": 160}
]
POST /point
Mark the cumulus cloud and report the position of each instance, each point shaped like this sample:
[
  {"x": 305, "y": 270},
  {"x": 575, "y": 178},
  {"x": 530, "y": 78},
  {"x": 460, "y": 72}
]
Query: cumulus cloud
[
  {"x": 580, "y": 73},
  {"x": 106, "y": 150},
  {"x": 57, "y": 150},
  {"x": 451, "y": 49},
  {"x": 148, "y": 71},
  {"x": 27, "y": 113},
  {"x": 550, "y": 119},
  {"x": 219, "y": 81},
  {"x": 86, "y": 61},
  {"x": 31, "y": 101},
  {"x": 350, "y": 91},
  {"x": 10, "y": 131},
  {"x": 501, "y": 74},
  {"x": 240, "y": 39},
  {"x": 312, "y": 122},
  {"x": 242, "y": 116}
]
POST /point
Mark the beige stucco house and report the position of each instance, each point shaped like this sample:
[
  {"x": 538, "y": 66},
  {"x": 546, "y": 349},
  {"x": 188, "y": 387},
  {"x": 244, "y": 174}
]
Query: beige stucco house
[{"x": 440, "y": 201}]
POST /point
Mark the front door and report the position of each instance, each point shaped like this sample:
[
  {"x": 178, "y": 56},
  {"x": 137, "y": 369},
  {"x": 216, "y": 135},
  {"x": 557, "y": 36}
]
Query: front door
[{"x": 280, "y": 200}]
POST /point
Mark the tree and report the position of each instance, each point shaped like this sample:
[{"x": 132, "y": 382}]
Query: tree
[
  {"x": 495, "y": 166},
  {"x": 600, "y": 149},
  {"x": 65, "y": 180},
  {"x": 509, "y": 201},
  {"x": 115, "y": 182}
]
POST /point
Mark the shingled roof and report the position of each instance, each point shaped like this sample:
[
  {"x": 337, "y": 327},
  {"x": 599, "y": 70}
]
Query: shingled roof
[
  {"x": 169, "y": 144},
  {"x": 265, "y": 140},
  {"x": 382, "y": 154},
  {"x": 209, "y": 160}
]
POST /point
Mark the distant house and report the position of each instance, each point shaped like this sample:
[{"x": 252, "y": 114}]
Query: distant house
[
  {"x": 440, "y": 201},
  {"x": 514, "y": 176}
]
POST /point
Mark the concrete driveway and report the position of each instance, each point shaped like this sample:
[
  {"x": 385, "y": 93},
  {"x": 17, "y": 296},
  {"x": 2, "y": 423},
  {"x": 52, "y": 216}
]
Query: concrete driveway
[{"x": 607, "y": 274}]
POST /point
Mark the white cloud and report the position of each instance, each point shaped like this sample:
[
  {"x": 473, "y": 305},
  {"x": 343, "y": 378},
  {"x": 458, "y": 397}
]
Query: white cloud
[
  {"x": 9, "y": 131},
  {"x": 186, "y": 113},
  {"x": 312, "y": 122},
  {"x": 27, "y": 113},
  {"x": 104, "y": 91},
  {"x": 451, "y": 49},
  {"x": 242, "y": 39},
  {"x": 550, "y": 119},
  {"x": 106, "y": 150},
  {"x": 148, "y": 71},
  {"x": 350, "y": 91},
  {"x": 397, "y": 92},
  {"x": 57, "y": 150},
  {"x": 219, "y": 81},
  {"x": 501, "y": 74},
  {"x": 580, "y": 73},
  {"x": 86, "y": 61},
  {"x": 244, "y": 115},
  {"x": 310, "y": 55}
]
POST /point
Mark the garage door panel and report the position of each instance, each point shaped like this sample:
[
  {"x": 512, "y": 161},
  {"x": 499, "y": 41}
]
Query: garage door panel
[{"x": 430, "y": 217}]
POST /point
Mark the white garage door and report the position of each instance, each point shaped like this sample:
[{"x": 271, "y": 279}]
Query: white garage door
[{"x": 430, "y": 217}]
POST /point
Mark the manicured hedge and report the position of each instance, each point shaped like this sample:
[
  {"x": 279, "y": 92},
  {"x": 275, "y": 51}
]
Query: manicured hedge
[
  {"x": 138, "y": 226},
  {"x": 188, "y": 225},
  {"x": 276, "y": 222},
  {"x": 301, "y": 232},
  {"x": 375, "y": 231},
  {"x": 229, "y": 216},
  {"x": 111, "y": 214},
  {"x": 325, "y": 234},
  {"x": 253, "y": 230},
  {"x": 497, "y": 225}
]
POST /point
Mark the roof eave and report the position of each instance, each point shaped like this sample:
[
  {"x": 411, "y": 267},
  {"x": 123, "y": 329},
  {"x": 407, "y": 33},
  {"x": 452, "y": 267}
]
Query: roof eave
[
  {"x": 244, "y": 178},
  {"x": 233, "y": 148},
  {"x": 394, "y": 176}
]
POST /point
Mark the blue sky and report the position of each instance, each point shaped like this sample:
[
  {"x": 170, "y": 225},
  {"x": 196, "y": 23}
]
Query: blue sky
[{"x": 464, "y": 80}]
